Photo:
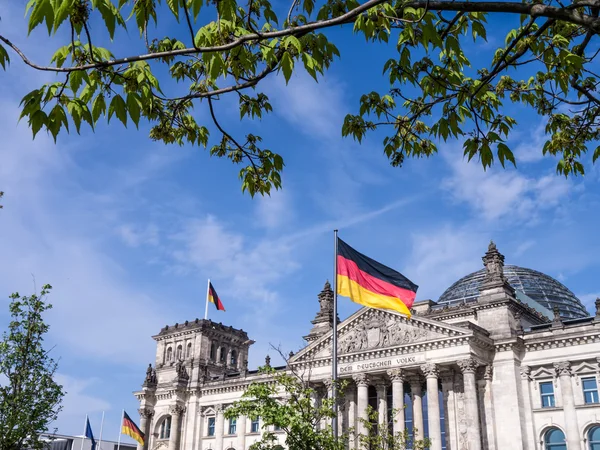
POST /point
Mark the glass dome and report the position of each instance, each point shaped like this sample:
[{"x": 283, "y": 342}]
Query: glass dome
[{"x": 540, "y": 287}]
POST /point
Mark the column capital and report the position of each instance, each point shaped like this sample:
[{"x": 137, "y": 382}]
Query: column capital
[
  {"x": 430, "y": 370},
  {"x": 219, "y": 408},
  {"x": 146, "y": 413},
  {"x": 468, "y": 365},
  {"x": 177, "y": 410},
  {"x": 563, "y": 368},
  {"x": 526, "y": 372},
  {"x": 361, "y": 379},
  {"x": 488, "y": 372},
  {"x": 396, "y": 375}
]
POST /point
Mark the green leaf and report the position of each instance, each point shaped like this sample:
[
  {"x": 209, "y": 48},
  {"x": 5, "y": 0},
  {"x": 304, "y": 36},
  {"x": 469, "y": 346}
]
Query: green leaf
[
  {"x": 118, "y": 108},
  {"x": 42, "y": 11},
  {"x": 504, "y": 153},
  {"x": 98, "y": 107},
  {"x": 4, "y": 58},
  {"x": 174, "y": 7},
  {"x": 287, "y": 66},
  {"x": 133, "y": 105},
  {"x": 61, "y": 12}
]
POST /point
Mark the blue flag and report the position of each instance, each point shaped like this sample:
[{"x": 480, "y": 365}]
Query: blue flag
[{"x": 89, "y": 434}]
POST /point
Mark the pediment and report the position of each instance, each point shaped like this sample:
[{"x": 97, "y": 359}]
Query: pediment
[
  {"x": 543, "y": 372},
  {"x": 584, "y": 367},
  {"x": 370, "y": 329}
]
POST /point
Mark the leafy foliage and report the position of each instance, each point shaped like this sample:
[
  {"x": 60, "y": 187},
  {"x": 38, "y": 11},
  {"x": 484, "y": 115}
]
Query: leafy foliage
[
  {"x": 289, "y": 402},
  {"x": 436, "y": 93},
  {"x": 29, "y": 398}
]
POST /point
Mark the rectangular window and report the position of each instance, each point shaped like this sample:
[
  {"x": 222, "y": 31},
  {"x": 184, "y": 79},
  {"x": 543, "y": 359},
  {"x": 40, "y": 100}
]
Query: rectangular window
[
  {"x": 590, "y": 390},
  {"x": 254, "y": 427},
  {"x": 211, "y": 426},
  {"x": 232, "y": 426},
  {"x": 277, "y": 428},
  {"x": 547, "y": 393}
]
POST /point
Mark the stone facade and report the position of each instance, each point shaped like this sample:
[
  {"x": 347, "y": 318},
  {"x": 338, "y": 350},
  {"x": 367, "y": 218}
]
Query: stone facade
[{"x": 496, "y": 374}]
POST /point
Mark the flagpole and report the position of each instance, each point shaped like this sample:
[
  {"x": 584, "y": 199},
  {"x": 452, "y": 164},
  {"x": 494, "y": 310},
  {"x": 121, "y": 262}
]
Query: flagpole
[
  {"x": 84, "y": 431},
  {"x": 334, "y": 359},
  {"x": 120, "y": 430},
  {"x": 101, "y": 427},
  {"x": 207, "y": 291}
]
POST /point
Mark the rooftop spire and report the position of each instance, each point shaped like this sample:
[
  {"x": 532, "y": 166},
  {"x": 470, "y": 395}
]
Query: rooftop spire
[{"x": 323, "y": 321}]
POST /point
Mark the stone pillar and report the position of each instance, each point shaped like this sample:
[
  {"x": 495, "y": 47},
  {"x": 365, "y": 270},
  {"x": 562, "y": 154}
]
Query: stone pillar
[
  {"x": 176, "y": 413},
  {"x": 563, "y": 370},
  {"x": 241, "y": 432},
  {"x": 362, "y": 383},
  {"x": 351, "y": 411},
  {"x": 488, "y": 409},
  {"x": 146, "y": 415},
  {"x": 416, "y": 391},
  {"x": 328, "y": 395},
  {"x": 433, "y": 406},
  {"x": 449, "y": 408},
  {"x": 219, "y": 427},
  {"x": 529, "y": 443},
  {"x": 468, "y": 367},
  {"x": 380, "y": 387},
  {"x": 397, "y": 377}
]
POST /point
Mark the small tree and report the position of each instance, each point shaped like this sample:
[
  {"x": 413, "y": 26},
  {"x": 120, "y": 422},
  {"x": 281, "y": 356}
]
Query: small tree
[
  {"x": 287, "y": 401},
  {"x": 29, "y": 396}
]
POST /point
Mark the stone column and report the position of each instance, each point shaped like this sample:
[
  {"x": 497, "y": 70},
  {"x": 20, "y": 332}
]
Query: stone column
[
  {"x": 362, "y": 383},
  {"x": 219, "y": 427},
  {"x": 397, "y": 377},
  {"x": 146, "y": 415},
  {"x": 176, "y": 413},
  {"x": 563, "y": 370},
  {"x": 241, "y": 432},
  {"x": 528, "y": 408},
  {"x": 416, "y": 391},
  {"x": 351, "y": 402},
  {"x": 488, "y": 408},
  {"x": 468, "y": 367},
  {"x": 433, "y": 406},
  {"x": 380, "y": 387},
  {"x": 449, "y": 408}
]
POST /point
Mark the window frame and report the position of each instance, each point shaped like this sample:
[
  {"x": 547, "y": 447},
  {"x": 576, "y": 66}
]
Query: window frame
[
  {"x": 164, "y": 431},
  {"x": 232, "y": 427},
  {"x": 554, "y": 445},
  {"x": 252, "y": 426},
  {"x": 588, "y": 436},
  {"x": 210, "y": 426},
  {"x": 551, "y": 395},
  {"x": 594, "y": 391}
]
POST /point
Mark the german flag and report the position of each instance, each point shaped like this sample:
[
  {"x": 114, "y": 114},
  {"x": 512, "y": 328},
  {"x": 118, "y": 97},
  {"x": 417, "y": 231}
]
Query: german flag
[
  {"x": 130, "y": 429},
  {"x": 214, "y": 298},
  {"x": 369, "y": 283}
]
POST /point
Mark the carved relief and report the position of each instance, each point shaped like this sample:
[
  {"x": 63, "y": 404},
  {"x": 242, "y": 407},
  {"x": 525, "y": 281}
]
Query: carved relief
[
  {"x": 461, "y": 415},
  {"x": 146, "y": 413},
  {"x": 488, "y": 373},
  {"x": 396, "y": 375},
  {"x": 526, "y": 372},
  {"x": 161, "y": 444},
  {"x": 468, "y": 365},
  {"x": 563, "y": 368},
  {"x": 430, "y": 370},
  {"x": 377, "y": 332},
  {"x": 361, "y": 379},
  {"x": 177, "y": 410}
]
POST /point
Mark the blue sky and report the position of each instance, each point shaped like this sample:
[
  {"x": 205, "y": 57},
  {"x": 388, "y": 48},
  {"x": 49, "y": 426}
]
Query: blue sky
[{"x": 128, "y": 231}]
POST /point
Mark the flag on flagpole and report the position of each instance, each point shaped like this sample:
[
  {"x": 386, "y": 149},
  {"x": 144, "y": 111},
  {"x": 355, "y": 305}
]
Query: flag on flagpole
[
  {"x": 369, "y": 283},
  {"x": 89, "y": 434},
  {"x": 130, "y": 429},
  {"x": 214, "y": 298}
]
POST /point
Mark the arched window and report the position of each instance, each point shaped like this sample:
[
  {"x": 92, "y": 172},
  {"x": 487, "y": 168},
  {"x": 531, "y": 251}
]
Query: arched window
[
  {"x": 213, "y": 351},
  {"x": 594, "y": 438},
  {"x": 233, "y": 358},
  {"x": 554, "y": 439},
  {"x": 179, "y": 352},
  {"x": 223, "y": 355},
  {"x": 169, "y": 354},
  {"x": 165, "y": 428},
  {"x": 189, "y": 350}
]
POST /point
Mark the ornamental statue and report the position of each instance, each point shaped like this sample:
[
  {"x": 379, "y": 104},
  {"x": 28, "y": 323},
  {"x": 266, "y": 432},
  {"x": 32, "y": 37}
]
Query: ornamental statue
[
  {"x": 150, "y": 379},
  {"x": 493, "y": 261}
]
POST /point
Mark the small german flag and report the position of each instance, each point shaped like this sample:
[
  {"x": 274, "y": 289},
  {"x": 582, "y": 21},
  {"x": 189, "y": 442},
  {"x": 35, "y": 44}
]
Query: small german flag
[
  {"x": 129, "y": 428},
  {"x": 369, "y": 283},
  {"x": 213, "y": 297}
]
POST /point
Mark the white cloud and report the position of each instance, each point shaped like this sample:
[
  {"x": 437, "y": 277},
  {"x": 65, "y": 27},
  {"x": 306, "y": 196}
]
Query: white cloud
[
  {"x": 503, "y": 193},
  {"x": 317, "y": 109},
  {"x": 276, "y": 210},
  {"x": 135, "y": 236},
  {"x": 589, "y": 301},
  {"x": 78, "y": 400},
  {"x": 523, "y": 247},
  {"x": 441, "y": 256},
  {"x": 529, "y": 148}
]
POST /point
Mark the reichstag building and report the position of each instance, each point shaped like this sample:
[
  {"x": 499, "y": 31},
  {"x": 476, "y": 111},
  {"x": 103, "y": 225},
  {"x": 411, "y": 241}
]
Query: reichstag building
[{"x": 507, "y": 358}]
